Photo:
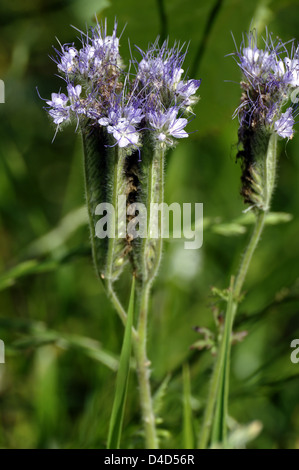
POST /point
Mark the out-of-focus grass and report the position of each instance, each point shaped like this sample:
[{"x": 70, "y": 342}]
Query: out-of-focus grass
[{"x": 53, "y": 395}]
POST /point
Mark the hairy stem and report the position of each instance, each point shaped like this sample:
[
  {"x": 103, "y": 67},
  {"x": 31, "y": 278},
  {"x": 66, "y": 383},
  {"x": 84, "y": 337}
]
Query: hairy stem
[
  {"x": 112, "y": 296},
  {"x": 148, "y": 265},
  {"x": 215, "y": 417},
  {"x": 143, "y": 372}
]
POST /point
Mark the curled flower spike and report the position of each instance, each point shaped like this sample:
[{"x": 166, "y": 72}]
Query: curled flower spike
[
  {"x": 160, "y": 73},
  {"x": 266, "y": 112},
  {"x": 269, "y": 77}
]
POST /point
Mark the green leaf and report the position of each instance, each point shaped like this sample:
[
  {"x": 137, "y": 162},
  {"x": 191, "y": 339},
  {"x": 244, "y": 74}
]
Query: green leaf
[
  {"x": 58, "y": 237},
  {"x": 188, "y": 435},
  {"x": 219, "y": 427},
  {"x": 117, "y": 415},
  {"x": 160, "y": 395},
  {"x": 25, "y": 268},
  {"x": 37, "y": 335},
  {"x": 229, "y": 229},
  {"x": 272, "y": 218},
  {"x": 46, "y": 396}
]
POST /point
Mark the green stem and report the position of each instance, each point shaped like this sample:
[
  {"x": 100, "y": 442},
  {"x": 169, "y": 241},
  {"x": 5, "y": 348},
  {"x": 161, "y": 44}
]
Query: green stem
[
  {"x": 143, "y": 373},
  {"x": 150, "y": 257},
  {"x": 216, "y": 411},
  {"x": 219, "y": 427},
  {"x": 210, "y": 406},
  {"x": 219, "y": 371},
  {"x": 105, "y": 181},
  {"x": 255, "y": 237},
  {"x": 111, "y": 294}
]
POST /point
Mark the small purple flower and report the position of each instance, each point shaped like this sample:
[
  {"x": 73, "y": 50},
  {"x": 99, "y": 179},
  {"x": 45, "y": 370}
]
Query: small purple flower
[
  {"x": 186, "y": 89},
  {"x": 167, "y": 124},
  {"x": 291, "y": 75},
  {"x": 85, "y": 58},
  {"x": 124, "y": 133},
  {"x": 133, "y": 114},
  {"x": 58, "y": 100},
  {"x": 60, "y": 115},
  {"x": 77, "y": 105},
  {"x": 256, "y": 62},
  {"x": 284, "y": 125},
  {"x": 74, "y": 92},
  {"x": 107, "y": 45},
  {"x": 121, "y": 121},
  {"x": 68, "y": 58},
  {"x": 59, "y": 110}
]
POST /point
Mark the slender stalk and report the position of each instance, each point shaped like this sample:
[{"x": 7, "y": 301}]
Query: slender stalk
[
  {"x": 143, "y": 373},
  {"x": 210, "y": 406},
  {"x": 224, "y": 350},
  {"x": 111, "y": 294},
  {"x": 150, "y": 257},
  {"x": 255, "y": 237},
  {"x": 219, "y": 427},
  {"x": 215, "y": 416},
  {"x": 232, "y": 307}
]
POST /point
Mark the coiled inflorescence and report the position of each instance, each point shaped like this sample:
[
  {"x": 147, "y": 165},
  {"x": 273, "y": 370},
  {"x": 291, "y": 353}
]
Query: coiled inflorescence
[
  {"x": 270, "y": 77},
  {"x": 151, "y": 96}
]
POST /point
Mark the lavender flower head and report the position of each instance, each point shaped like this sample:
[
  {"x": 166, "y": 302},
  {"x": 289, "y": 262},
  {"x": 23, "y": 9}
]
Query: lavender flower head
[
  {"x": 126, "y": 105},
  {"x": 168, "y": 95},
  {"x": 269, "y": 77}
]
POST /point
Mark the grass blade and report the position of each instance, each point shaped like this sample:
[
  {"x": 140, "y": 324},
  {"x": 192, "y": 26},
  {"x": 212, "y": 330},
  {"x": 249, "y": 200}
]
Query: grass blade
[
  {"x": 188, "y": 436},
  {"x": 219, "y": 429},
  {"x": 117, "y": 415}
]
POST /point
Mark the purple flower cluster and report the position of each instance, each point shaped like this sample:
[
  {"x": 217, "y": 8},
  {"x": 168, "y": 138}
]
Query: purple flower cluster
[
  {"x": 270, "y": 75},
  {"x": 166, "y": 95},
  {"x": 98, "y": 52},
  {"x": 153, "y": 99}
]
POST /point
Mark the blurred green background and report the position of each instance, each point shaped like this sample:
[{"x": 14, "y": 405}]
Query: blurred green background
[{"x": 62, "y": 337}]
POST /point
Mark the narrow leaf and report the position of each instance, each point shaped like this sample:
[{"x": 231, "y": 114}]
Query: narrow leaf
[
  {"x": 188, "y": 435},
  {"x": 219, "y": 428},
  {"x": 158, "y": 398},
  {"x": 117, "y": 415}
]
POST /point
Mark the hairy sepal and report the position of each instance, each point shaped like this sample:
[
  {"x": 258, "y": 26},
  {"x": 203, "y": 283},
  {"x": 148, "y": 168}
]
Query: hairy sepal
[{"x": 105, "y": 180}]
